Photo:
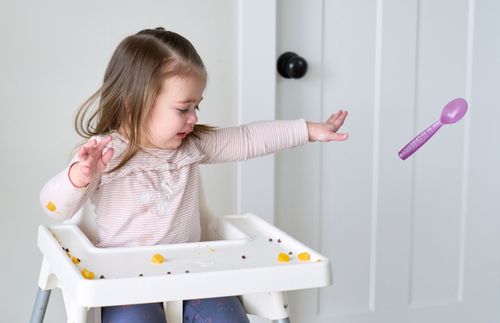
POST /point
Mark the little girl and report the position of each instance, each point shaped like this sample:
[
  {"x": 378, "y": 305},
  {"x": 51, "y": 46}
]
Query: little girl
[{"x": 140, "y": 165}]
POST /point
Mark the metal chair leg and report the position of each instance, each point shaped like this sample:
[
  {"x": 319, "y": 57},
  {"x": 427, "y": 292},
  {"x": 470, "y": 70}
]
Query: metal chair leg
[
  {"x": 285, "y": 320},
  {"x": 41, "y": 301}
]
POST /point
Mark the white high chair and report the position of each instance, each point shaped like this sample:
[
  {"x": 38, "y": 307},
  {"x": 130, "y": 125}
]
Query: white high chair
[{"x": 238, "y": 256}]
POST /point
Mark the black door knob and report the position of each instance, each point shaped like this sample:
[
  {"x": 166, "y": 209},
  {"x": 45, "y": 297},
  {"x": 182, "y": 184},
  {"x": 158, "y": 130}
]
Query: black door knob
[{"x": 291, "y": 65}]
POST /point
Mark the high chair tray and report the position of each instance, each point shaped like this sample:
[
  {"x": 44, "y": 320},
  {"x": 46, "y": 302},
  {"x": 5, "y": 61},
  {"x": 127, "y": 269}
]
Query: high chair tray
[{"x": 243, "y": 259}]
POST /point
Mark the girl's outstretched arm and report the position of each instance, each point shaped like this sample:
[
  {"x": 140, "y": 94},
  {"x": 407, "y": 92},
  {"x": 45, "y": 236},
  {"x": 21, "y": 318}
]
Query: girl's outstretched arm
[
  {"x": 265, "y": 137},
  {"x": 328, "y": 130},
  {"x": 252, "y": 140}
]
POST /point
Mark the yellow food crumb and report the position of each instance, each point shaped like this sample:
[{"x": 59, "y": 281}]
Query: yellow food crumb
[
  {"x": 51, "y": 206},
  {"x": 304, "y": 256},
  {"x": 87, "y": 274},
  {"x": 157, "y": 258},
  {"x": 75, "y": 260},
  {"x": 283, "y": 257},
  {"x": 211, "y": 250}
]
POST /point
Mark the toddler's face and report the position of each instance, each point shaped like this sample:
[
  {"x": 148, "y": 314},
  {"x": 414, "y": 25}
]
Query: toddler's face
[{"x": 173, "y": 114}]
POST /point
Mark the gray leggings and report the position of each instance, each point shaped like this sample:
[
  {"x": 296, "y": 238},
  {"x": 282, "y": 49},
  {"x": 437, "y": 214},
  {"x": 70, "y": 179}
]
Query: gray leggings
[{"x": 213, "y": 310}]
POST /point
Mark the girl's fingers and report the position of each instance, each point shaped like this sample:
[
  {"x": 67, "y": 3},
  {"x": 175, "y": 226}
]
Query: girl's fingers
[
  {"x": 90, "y": 144},
  {"x": 92, "y": 147},
  {"x": 340, "y": 117},
  {"x": 93, "y": 157},
  {"x": 82, "y": 152},
  {"x": 339, "y": 136},
  {"x": 327, "y": 131},
  {"x": 337, "y": 120},
  {"x": 86, "y": 149},
  {"x": 103, "y": 143},
  {"x": 334, "y": 116},
  {"x": 106, "y": 157},
  {"x": 334, "y": 137}
]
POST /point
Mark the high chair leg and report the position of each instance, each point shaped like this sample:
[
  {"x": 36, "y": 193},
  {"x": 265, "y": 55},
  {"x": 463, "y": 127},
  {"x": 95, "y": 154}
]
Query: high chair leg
[
  {"x": 173, "y": 311},
  {"x": 74, "y": 312},
  {"x": 40, "y": 306},
  {"x": 271, "y": 305},
  {"x": 285, "y": 320}
]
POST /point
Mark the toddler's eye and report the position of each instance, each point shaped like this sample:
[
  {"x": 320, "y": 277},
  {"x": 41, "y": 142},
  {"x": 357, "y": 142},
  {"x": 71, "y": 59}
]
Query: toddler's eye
[{"x": 186, "y": 110}]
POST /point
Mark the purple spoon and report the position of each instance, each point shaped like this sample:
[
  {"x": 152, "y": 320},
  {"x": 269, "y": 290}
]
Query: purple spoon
[{"x": 452, "y": 112}]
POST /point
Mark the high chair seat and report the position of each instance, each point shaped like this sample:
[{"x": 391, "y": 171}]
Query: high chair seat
[{"x": 242, "y": 255}]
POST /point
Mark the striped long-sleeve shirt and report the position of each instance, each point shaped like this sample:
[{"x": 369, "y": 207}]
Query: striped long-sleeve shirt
[{"x": 154, "y": 197}]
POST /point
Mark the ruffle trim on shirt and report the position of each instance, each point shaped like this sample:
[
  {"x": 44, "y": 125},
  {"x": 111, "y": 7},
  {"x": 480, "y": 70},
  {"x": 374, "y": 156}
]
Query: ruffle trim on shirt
[{"x": 151, "y": 159}]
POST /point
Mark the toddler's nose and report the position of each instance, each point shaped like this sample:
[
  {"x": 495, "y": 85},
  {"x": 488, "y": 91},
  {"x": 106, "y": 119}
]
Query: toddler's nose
[{"x": 193, "y": 118}]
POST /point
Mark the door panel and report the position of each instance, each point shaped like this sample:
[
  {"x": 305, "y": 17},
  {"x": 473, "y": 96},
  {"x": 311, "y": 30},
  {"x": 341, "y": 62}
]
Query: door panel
[{"x": 408, "y": 240}]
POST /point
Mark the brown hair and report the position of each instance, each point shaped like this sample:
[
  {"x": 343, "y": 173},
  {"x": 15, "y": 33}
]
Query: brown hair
[{"x": 132, "y": 81}]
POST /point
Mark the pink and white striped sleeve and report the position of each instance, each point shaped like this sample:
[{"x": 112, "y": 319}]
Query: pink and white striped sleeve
[
  {"x": 252, "y": 140},
  {"x": 60, "y": 199}
]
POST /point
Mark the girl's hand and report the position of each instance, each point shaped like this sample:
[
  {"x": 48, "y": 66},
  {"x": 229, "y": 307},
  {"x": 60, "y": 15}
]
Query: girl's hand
[
  {"x": 327, "y": 131},
  {"x": 92, "y": 162}
]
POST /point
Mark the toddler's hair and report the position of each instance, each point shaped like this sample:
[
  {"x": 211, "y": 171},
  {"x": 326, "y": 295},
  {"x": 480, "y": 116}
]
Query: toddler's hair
[{"x": 132, "y": 81}]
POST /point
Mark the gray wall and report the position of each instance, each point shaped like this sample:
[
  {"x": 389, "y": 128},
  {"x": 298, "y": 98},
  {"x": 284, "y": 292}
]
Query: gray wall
[{"x": 53, "y": 55}]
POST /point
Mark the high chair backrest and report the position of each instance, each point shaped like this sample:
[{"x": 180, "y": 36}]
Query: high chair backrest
[{"x": 85, "y": 220}]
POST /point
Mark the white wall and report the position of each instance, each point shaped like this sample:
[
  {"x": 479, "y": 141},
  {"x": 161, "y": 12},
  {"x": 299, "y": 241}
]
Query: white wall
[{"x": 53, "y": 55}]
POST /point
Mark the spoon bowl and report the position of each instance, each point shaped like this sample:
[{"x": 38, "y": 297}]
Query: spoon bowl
[{"x": 453, "y": 111}]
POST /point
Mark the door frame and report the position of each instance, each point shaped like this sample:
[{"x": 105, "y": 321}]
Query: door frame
[{"x": 257, "y": 101}]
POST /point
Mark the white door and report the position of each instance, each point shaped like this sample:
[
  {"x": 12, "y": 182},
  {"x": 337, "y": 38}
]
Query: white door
[{"x": 410, "y": 241}]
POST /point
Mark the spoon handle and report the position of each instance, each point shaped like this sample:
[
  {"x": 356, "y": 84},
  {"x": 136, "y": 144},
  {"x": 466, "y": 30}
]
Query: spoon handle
[{"x": 419, "y": 140}]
